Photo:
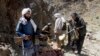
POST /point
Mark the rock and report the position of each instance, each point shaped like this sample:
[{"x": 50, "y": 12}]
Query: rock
[
  {"x": 43, "y": 11},
  {"x": 5, "y": 50},
  {"x": 89, "y": 35},
  {"x": 97, "y": 35}
]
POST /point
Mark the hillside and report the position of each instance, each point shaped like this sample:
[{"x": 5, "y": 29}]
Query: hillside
[{"x": 43, "y": 11}]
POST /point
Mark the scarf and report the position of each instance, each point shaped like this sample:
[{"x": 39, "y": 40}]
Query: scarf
[{"x": 24, "y": 21}]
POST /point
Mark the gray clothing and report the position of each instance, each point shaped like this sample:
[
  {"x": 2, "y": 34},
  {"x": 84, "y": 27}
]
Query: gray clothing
[
  {"x": 28, "y": 51},
  {"x": 59, "y": 24}
]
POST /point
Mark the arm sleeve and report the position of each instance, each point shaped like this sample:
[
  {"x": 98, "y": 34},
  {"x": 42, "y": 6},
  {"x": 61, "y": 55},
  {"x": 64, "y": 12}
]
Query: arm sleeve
[
  {"x": 56, "y": 26},
  {"x": 83, "y": 24},
  {"x": 44, "y": 28},
  {"x": 37, "y": 31},
  {"x": 18, "y": 29}
]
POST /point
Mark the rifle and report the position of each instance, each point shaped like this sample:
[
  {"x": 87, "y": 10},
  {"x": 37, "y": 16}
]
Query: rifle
[{"x": 75, "y": 32}]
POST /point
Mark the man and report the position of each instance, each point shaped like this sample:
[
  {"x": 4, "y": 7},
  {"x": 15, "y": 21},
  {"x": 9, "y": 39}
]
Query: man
[
  {"x": 58, "y": 29},
  {"x": 79, "y": 25},
  {"x": 46, "y": 30},
  {"x": 26, "y": 29}
]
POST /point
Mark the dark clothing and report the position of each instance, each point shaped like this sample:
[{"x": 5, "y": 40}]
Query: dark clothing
[
  {"x": 46, "y": 30},
  {"x": 82, "y": 26},
  {"x": 69, "y": 36},
  {"x": 79, "y": 43},
  {"x": 79, "y": 23}
]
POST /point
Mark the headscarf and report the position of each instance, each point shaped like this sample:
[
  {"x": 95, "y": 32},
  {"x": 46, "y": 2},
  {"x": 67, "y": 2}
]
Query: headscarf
[{"x": 25, "y": 10}]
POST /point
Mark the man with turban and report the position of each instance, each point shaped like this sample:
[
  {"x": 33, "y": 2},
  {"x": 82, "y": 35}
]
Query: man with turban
[{"x": 27, "y": 29}]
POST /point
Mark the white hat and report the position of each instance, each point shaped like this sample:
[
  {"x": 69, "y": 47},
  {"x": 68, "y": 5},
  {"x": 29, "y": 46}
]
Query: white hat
[
  {"x": 57, "y": 15},
  {"x": 25, "y": 10}
]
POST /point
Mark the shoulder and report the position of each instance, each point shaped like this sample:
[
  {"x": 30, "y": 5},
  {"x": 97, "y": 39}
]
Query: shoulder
[
  {"x": 20, "y": 21},
  {"x": 69, "y": 21},
  {"x": 81, "y": 19}
]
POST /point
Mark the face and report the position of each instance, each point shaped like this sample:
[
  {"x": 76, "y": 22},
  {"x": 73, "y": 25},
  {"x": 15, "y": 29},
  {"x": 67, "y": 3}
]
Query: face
[
  {"x": 73, "y": 17},
  {"x": 28, "y": 14}
]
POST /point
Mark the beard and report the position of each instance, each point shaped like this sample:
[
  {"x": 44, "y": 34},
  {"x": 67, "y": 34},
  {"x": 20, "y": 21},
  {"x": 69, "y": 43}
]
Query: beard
[{"x": 27, "y": 18}]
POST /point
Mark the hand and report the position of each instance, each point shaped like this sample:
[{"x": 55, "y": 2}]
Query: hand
[
  {"x": 77, "y": 29},
  {"x": 58, "y": 33},
  {"x": 27, "y": 37}
]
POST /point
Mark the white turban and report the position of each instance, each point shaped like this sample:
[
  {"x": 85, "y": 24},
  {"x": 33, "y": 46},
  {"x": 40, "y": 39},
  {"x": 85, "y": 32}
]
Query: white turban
[
  {"x": 25, "y": 10},
  {"x": 57, "y": 15}
]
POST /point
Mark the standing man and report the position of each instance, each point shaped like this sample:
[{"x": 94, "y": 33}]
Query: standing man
[
  {"x": 80, "y": 26},
  {"x": 26, "y": 29},
  {"x": 59, "y": 27}
]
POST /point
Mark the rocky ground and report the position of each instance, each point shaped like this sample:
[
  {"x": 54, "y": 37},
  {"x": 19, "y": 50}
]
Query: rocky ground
[
  {"x": 91, "y": 47},
  {"x": 88, "y": 9}
]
